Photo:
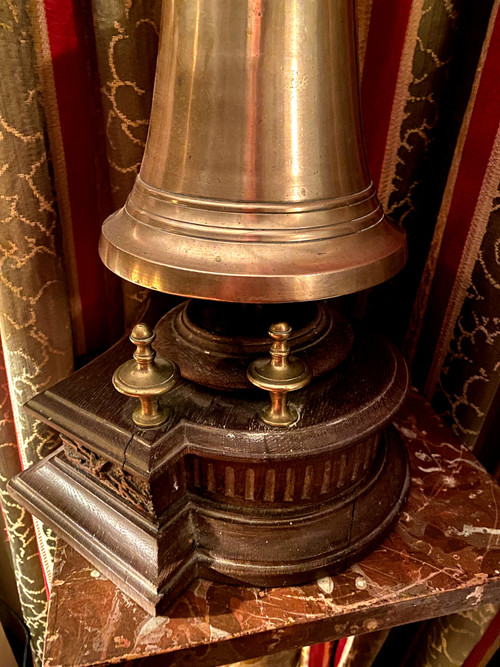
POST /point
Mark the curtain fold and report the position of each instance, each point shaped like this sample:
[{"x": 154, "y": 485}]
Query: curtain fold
[
  {"x": 126, "y": 39},
  {"x": 20, "y": 529},
  {"x": 463, "y": 379},
  {"x": 35, "y": 323},
  {"x": 448, "y": 641}
]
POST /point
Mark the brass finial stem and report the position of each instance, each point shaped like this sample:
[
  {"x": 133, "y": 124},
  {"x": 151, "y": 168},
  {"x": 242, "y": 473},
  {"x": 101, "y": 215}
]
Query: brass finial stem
[
  {"x": 279, "y": 413},
  {"x": 150, "y": 406},
  {"x": 280, "y": 349},
  {"x": 279, "y": 375},
  {"x": 146, "y": 378}
]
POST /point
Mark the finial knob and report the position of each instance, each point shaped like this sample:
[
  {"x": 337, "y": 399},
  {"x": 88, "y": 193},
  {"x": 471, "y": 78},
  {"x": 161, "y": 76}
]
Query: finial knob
[
  {"x": 279, "y": 375},
  {"x": 146, "y": 377}
]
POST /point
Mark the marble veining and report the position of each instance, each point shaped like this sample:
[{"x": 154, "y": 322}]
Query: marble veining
[{"x": 442, "y": 556}]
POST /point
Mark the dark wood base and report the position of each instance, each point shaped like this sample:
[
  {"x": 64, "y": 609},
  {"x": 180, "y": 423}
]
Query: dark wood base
[
  {"x": 214, "y": 343},
  {"x": 215, "y": 491},
  {"x": 428, "y": 566},
  {"x": 211, "y": 541}
]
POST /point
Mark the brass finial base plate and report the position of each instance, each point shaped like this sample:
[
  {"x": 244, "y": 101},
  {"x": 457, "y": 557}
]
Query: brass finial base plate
[
  {"x": 280, "y": 418},
  {"x": 147, "y": 378},
  {"x": 279, "y": 374}
]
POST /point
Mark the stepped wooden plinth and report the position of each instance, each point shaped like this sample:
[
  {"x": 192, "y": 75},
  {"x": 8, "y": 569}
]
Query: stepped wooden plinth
[
  {"x": 441, "y": 557},
  {"x": 215, "y": 491}
]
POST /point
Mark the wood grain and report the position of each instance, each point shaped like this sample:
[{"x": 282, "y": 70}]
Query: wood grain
[{"x": 215, "y": 490}]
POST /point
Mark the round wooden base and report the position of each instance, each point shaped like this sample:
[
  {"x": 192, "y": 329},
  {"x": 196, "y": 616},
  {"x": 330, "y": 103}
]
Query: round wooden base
[
  {"x": 216, "y": 491},
  {"x": 280, "y": 548},
  {"x": 214, "y": 343}
]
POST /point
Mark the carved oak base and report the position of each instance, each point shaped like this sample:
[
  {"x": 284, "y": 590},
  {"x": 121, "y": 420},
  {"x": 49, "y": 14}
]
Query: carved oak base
[
  {"x": 215, "y": 491},
  {"x": 154, "y": 562}
]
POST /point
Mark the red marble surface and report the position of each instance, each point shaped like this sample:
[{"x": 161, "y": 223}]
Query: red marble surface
[{"x": 442, "y": 556}]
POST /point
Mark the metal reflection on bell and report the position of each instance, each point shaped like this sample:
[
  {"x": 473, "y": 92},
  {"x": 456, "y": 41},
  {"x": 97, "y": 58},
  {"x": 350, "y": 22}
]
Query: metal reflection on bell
[{"x": 254, "y": 186}]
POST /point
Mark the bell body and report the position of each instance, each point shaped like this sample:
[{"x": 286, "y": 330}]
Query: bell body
[{"x": 254, "y": 185}]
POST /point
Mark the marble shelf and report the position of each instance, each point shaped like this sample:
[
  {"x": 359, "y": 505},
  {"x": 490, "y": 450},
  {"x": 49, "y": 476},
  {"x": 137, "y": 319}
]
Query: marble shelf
[{"x": 442, "y": 556}]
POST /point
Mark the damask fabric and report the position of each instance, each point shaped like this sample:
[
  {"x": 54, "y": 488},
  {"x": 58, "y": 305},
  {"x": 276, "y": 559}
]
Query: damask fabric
[
  {"x": 75, "y": 95},
  {"x": 448, "y": 641},
  {"x": 34, "y": 325},
  {"x": 20, "y": 528}
]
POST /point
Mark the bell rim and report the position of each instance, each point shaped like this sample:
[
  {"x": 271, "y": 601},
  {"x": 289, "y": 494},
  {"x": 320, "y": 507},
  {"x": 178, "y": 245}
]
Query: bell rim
[{"x": 261, "y": 272}]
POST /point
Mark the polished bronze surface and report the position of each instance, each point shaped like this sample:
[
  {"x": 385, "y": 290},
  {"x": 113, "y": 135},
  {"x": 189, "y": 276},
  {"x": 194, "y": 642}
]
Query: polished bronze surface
[
  {"x": 146, "y": 378},
  {"x": 254, "y": 185},
  {"x": 279, "y": 375}
]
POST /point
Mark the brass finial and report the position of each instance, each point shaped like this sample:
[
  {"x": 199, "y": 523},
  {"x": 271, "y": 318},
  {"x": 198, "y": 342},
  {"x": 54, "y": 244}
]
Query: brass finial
[
  {"x": 279, "y": 375},
  {"x": 146, "y": 378}
]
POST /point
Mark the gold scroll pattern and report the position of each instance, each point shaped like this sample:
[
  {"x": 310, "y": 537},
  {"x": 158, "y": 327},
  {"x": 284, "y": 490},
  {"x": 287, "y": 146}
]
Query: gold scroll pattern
[
  {"x": 434, "y": 82},
  {"x": 20, "y": 529},
  {"x": 126, "y": 35},
  {"x": 470, "y": 376},
  {"x": 448, "y": 641},
  {"x": 34, "y": 323}
]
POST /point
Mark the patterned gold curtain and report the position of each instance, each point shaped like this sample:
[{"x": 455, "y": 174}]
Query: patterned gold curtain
[{"x": 75, "y": 94}]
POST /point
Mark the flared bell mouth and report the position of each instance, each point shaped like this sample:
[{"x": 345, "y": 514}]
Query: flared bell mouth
[{"x": 316, "y": 261}]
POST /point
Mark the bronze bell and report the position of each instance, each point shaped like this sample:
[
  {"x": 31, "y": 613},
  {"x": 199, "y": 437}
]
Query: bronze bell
[{"x": 254, "y": 186}]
